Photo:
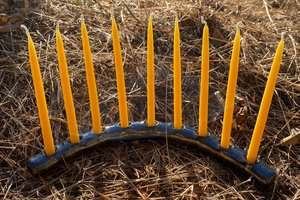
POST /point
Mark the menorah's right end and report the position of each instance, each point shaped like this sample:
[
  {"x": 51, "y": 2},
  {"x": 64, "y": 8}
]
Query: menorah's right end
[{"x": 236, "y": 158}]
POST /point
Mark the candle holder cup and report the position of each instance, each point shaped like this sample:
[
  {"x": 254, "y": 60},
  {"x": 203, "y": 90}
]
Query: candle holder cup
[{"x": 146, "y": 123}]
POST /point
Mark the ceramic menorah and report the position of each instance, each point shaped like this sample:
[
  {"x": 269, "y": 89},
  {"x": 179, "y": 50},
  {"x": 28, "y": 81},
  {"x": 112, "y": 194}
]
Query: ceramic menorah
[{"x": 200, "y": 139}]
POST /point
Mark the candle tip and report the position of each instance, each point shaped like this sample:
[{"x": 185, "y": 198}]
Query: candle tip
[
  {"x": 203, "y": 21},
  {"x": 282, "y": 35}
]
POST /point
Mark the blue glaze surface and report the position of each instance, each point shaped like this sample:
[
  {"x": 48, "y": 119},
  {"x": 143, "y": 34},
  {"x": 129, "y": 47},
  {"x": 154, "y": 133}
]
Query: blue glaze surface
[{"x": 41, "y": 164}]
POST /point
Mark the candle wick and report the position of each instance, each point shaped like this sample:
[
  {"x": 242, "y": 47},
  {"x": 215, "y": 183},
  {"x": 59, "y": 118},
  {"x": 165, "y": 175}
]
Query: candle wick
[
  {"x": 203, "y": 21},
  {"x": 282, "y": 35},
  {"x": 112, "y": 12},
  {"x": 239, "y": 24},
  {"x": 57, "y": 25},
  {"x": 23, "y": 27},
  {"x": 175, "y": 13},
  {"x": 26, "y": 30},
  {"x": 151, "y": 16},
  {"x": 82, "y": 19}
]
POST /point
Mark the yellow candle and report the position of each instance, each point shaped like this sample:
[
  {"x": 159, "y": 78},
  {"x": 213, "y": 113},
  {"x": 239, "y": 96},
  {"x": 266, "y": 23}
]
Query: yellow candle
[
  {"x": 120, "y": 76},
  {"x": 66, "y": 88},
  {"x": 265, "y": 105},
  {"x": 40, "y": 97},
  {"x": 91, "y": 80},
  {"x": 150, "y": 76},
  {"x": 203, "y": 109},
  {"x": 230, "y": 96},
  {"x": 177, "y": 79}
]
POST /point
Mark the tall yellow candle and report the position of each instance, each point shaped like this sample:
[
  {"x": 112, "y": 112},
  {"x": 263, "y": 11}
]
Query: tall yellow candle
[
  {"x": 203, "y": 109},
  {"x": 231, "y": 88},
  {"x": 177, "y": 79},
  {"x": 66, "y": 88},
  {"x": 91, "y": 80},
  {"x": 40, "y": 97},
  {"x": 120, "y": 76},
  {"x": 265, "y": 105},
  {"x": 150, "y": 76}
]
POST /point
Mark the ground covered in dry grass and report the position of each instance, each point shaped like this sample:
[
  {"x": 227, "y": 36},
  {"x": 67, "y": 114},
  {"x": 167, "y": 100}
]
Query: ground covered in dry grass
[{"x": 150, "y": 170}]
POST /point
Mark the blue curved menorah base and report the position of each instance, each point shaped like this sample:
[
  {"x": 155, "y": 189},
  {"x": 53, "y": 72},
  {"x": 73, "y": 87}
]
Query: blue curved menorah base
[{"x": 41, "y": 164}]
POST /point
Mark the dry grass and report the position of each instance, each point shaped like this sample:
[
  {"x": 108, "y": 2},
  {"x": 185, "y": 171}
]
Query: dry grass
[{"x": 149, "y": 169}]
